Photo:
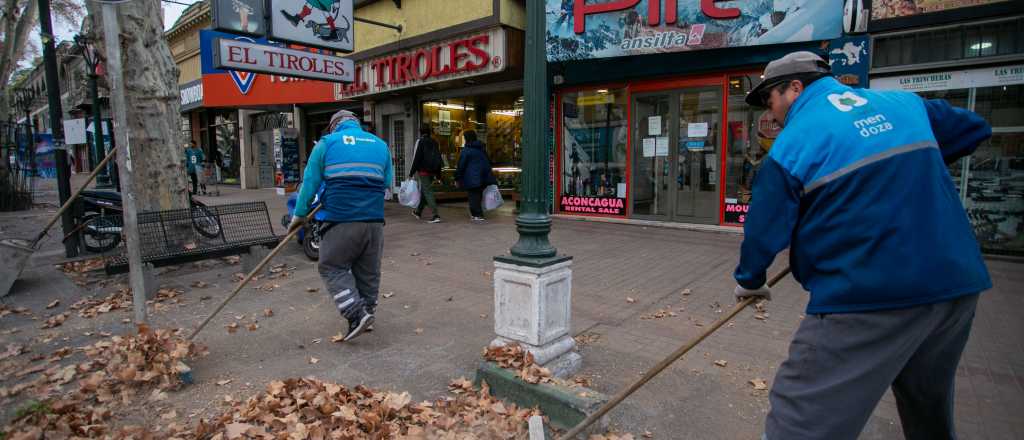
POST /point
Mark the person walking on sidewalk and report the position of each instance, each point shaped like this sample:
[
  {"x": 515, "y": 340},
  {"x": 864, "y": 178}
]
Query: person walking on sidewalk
[
  {"x": 426, "y": 166},
  {"x": 892, "y": 296},
  {"x": 355, "y": 168},
  {"x": 193, "y": 157},
  {"x": 474, "y": 173}
]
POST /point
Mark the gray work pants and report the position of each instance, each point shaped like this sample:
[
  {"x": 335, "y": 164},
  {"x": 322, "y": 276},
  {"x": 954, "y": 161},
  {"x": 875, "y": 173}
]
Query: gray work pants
[
  {"x": 840, "y": 365},
  {"x": 350, "y": 265}
]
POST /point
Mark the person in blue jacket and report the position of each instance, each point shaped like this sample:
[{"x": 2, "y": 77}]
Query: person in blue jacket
[
  {"x": 355, "y": 170},
  {"x": 474, "y": 173},
  {"x": 856, "y": 186}
]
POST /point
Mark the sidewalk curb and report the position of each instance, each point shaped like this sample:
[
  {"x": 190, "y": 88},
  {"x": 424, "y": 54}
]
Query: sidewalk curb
[{"x": 564, "y": 407}]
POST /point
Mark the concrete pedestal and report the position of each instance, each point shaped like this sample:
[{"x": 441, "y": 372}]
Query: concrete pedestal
[{"x": 533, "y": 307}]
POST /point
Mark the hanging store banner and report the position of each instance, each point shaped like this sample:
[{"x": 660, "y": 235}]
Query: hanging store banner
[
  {"x": 239, "y": 16},
  {"x": 325, "y": 24},
  {"x": 585, "y": 29},
  {"x": 461, "y": 57},
  {"x": 231, "y": 88},
  {"x": 230, "y": 53},
  {"x": 885, "y": 9},
  {"x": 960, "y": 79}
]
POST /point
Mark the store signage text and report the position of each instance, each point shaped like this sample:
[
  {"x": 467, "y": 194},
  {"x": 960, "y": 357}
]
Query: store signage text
[
  {"x": 958, "y": 79},
  {"x": 191, "y": 95},
  {"x": 458, "y": 58},
  {"x": 581, "y": 10},
  {"x": 736, "y": 212},
  {"x": 593, "y": 205},
  {"x": 252, "y": 57}
]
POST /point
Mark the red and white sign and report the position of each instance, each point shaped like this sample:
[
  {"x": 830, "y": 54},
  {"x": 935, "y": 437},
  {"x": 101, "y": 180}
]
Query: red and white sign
[
  {"x": 462, "y": 57},
  {"x": 253, "y": 57}
]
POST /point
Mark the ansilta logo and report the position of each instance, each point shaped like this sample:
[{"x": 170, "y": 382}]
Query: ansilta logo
[
  {"x": 847, "y": 101},
  {"x": 243, "y": 80},
  {"x": 348, "y": 140}
]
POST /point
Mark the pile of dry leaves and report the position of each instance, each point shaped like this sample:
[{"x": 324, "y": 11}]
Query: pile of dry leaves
[
  {"x": 117, "y": 370},
  {"x": 514, "y": 357},
  {"x": 310, "y": 409}
]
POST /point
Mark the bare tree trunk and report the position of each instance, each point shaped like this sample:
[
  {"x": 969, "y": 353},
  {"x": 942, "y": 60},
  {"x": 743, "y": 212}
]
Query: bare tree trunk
[
  {"x": 17, "y": 23},
  {"x": 151, "y": 89}
]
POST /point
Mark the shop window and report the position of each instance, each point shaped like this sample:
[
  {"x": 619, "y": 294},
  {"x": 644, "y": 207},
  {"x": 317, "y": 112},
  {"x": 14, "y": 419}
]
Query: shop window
[
  {"x": 497, "y": 120},
  {"x": 995, "y": 181},
  {"x": 225, "y": 139},
  {"x": 750, "y": 136},
  {"x": 593, "y": 142}
]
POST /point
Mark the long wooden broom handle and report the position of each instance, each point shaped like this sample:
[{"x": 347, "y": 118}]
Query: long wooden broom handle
[
  {"x": 253, "y": 272},
  {"x": 666, "y": 362},
  {"x": 67, "y": 203}
]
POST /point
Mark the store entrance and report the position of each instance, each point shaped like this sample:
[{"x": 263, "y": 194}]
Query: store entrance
[{"x": 676, "y": 144}]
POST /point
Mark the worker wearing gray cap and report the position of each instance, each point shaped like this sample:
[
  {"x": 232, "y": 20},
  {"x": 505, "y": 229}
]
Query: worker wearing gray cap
[
  {"x": 355, "y": 169},
  {"x": 856, "y": 186}
]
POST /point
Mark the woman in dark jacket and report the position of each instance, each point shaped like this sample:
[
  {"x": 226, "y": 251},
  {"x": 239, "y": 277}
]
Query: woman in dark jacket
[{"x": 474, "y": 173}]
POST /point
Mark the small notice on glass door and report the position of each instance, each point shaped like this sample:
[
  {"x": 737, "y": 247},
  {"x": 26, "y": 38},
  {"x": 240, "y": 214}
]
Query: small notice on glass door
[
  {"x": 648, "y": 147},
  {"x": 661, "y": 146},
  {"x": 654, "y": 126},
  {"x": 697, "y": 130}
]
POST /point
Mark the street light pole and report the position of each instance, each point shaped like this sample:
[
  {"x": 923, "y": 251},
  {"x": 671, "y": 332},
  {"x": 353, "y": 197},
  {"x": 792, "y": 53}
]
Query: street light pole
[
  {"x": 92, "y": 62},
  {"x": 533, "y": 221},
  {"x": 60, "y": 154}
]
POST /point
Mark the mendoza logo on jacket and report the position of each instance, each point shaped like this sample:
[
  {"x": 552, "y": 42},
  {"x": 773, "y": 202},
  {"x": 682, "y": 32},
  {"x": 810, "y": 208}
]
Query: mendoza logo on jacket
[
  {"x": 847, "y": 101},
  {"x": 867, "y": 127}
]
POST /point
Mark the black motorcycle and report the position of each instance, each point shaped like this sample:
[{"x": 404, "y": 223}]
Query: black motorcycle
[{"x": 100, "y": 213}]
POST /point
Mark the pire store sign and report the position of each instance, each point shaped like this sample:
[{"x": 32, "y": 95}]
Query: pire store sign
[
  {"x": 462, "y": 57},
  {"x": 593, "y": 205},
  {"x": 584, "y": 29}
]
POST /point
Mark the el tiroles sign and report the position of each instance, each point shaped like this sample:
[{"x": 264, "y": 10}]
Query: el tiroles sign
[
  {"x": 465, "y": 56},
  {"x": 243, "y": 55}
]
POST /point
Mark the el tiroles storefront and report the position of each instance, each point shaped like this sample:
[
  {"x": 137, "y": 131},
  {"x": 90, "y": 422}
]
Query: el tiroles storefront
[
  {"x": 650, "y": 118},
  {"x": 463, "y": 81}
]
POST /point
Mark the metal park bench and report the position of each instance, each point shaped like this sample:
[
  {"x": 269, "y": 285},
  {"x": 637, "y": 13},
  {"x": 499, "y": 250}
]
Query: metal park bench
[{"x": 183, "y": 235}]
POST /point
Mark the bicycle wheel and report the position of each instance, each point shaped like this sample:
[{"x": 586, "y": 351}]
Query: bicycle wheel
[
  {"x": 100, "y": 233},
  {"x": 205, "y": 222}
]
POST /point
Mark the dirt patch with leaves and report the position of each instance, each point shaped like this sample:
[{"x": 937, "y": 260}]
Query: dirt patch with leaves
[
  {"x": 307, "y": 408},
  {"x": 117, "y": 371}
]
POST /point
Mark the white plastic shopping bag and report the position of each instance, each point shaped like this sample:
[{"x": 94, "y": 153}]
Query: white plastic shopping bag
[
  {"x": 492, "y": 198},
  {"x": 409, "y": 194}
]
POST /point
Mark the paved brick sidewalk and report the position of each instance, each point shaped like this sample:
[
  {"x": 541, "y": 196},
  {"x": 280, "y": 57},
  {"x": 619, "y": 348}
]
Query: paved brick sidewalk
[{"x": 439, "y": 316}]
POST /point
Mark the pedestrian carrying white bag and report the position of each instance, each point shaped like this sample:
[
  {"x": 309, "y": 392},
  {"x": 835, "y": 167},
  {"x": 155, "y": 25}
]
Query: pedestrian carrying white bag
[
  {"x": 492, "y": 198},
  {"x": 409, "y": 194}
]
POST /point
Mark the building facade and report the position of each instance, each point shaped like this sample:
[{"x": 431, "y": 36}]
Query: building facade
[
  {"x": 972, "y": 56},
  {"x": 458, "y": 70}
]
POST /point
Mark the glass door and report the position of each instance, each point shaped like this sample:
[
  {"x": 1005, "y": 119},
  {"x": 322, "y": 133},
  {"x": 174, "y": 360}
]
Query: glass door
[
  {"x": 652, "y": 192},
  {"x": 697, "y": 159}
]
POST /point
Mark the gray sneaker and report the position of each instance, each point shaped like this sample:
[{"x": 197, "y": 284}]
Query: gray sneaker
[
  {"x": 358, "y": 325},
  {"x": 436, "y": 219}
]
